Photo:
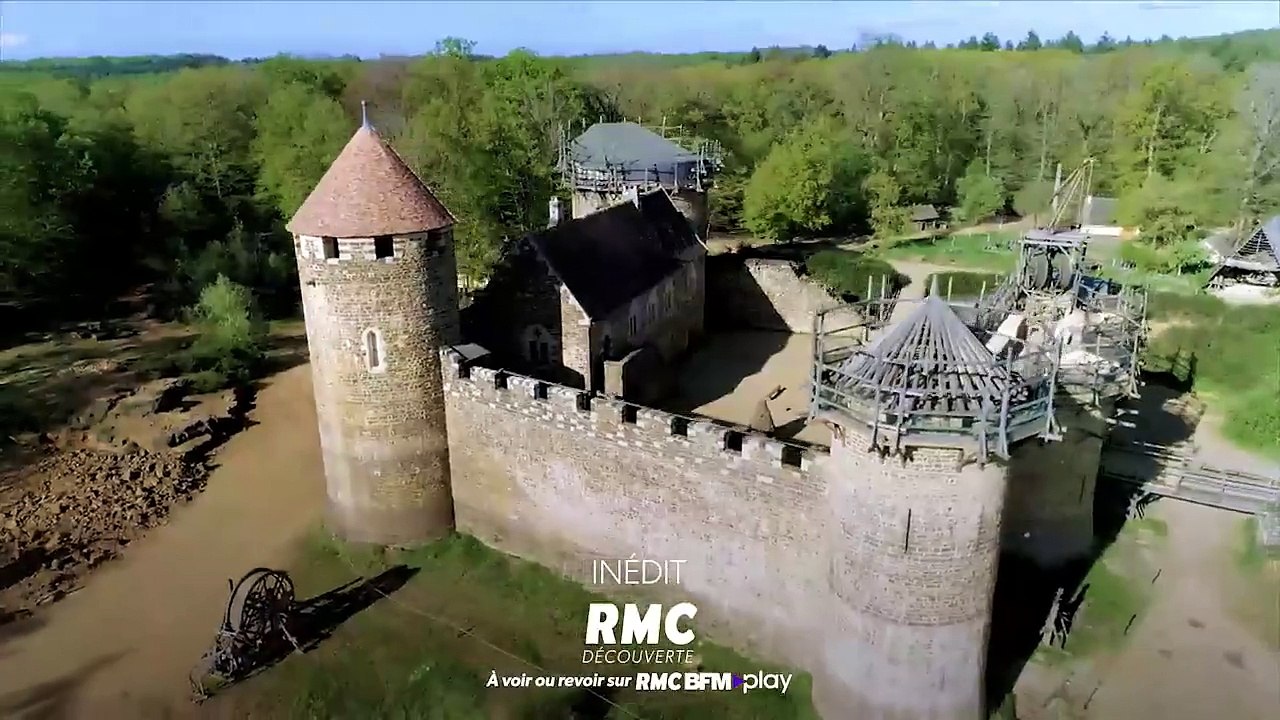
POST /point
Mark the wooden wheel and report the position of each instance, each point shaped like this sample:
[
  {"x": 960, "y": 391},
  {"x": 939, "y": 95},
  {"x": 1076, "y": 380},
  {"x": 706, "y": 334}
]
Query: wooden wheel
[
  {"x": 258, "y": 607},
  {"x": 1062, "y": 273},
  {"x": 1038, "y": 271}
]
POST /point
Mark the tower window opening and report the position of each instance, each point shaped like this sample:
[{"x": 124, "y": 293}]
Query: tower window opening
[
  {"x": 733, "y": 441},
  {"x": 375, "y": 356},
  {"x": 330, "y": 245},
  {"x": 382, "y": 247}
]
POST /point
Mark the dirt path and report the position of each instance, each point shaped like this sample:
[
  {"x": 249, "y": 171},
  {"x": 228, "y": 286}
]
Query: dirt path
[
  {"x": 123, "y": 645},
  {"x": 1190, "y": 658}
]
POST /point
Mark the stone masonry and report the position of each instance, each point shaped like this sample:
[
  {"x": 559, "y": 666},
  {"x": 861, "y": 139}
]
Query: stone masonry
[
  {"x": 382, "y": 433},
  {"x": 914, "y": 547},
  {"x": 694, "y": 205},
  {"x": 767, "y": 294},
  {"x": 1049, "y": 518}
]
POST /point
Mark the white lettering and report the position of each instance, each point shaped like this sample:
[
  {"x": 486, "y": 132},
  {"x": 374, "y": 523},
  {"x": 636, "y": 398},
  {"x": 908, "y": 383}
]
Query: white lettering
[
  {"x": 637, "y": 629},
  {"x": 673, "y": 631},
  {"x": 601, "y": 619}
]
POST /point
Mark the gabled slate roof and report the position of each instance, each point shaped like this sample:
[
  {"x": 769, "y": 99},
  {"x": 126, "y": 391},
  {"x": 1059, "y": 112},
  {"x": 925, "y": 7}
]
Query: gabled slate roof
[
  {"x": 369, "y": 191},
  {"x": 626, "y": 145},
  {"x": 609, "y": 257}
]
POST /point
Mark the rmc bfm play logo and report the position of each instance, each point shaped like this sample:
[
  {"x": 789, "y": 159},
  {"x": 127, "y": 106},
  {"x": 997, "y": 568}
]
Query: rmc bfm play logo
[{"x": 644, "y": 629}]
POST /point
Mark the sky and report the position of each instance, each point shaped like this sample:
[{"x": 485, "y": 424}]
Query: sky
[{"x": 244, "y": 28}]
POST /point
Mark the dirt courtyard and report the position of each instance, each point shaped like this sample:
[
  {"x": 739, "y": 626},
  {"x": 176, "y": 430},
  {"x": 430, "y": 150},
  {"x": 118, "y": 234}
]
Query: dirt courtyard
[{"x": 728, "y": 376}]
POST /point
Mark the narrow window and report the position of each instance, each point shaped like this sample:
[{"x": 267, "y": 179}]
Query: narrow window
[
  {"x": 382, "y": 247},
  {"x": 533, "y": 350},
  {"x": 544, "y": 353},
  {"x": 733, "y": 441},
  {"x": 330, "y": 248},
  {"x": 374, "y": 355},
  {"x": 633, "y": 325}
]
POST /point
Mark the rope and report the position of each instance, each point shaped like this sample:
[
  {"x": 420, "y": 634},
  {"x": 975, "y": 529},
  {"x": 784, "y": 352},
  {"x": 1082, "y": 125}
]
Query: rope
[{"x": 461, "y": 631}]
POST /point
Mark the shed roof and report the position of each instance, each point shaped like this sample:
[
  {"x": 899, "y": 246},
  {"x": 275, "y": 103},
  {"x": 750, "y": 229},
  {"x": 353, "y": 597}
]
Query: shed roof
[
  {"x": 609, "y": 257},
  {"x": 369, "y": 191},
  {"x": 921, "y": 213},
  {"x": 1099, "y": 210},
  {"x": 931, "y": 360},
  {"x": 1261, "y": 248},
  {"x": 626, "y": 144}
]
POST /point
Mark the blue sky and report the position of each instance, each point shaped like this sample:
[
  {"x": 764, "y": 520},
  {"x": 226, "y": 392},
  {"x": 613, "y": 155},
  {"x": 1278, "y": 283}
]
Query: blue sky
[{"x": 240, "y": 28}]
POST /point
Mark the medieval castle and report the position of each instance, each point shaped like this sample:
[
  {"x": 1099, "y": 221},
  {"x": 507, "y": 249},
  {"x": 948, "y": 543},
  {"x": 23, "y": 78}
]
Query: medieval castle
[{"x": 871, "y": 565}]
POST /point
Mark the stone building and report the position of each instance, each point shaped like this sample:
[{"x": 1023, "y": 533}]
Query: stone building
[
  {"x": 611, "y": 158},
  {"x": 872, "y": 565},
  {"x": 604, "y": 302},
  {"x": 379, "y": 294}
]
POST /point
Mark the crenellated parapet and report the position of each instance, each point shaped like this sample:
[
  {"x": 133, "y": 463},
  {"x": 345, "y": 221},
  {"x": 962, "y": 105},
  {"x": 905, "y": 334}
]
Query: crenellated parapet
[{"x": 700, "y": 441}]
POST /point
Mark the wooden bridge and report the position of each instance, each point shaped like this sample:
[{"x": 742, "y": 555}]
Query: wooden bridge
[{"x": 1161, "y": 470}]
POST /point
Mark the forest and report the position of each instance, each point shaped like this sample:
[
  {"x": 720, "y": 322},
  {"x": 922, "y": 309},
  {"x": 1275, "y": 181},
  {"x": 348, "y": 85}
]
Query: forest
[{"x": 174, "y": 171}]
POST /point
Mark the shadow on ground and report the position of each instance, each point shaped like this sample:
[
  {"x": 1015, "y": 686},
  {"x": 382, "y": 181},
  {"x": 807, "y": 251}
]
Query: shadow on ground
[
  {"x": 1027, "y": 594},
  {"x": 312, "y": 621},
  {"x": 52, "y": 700}
]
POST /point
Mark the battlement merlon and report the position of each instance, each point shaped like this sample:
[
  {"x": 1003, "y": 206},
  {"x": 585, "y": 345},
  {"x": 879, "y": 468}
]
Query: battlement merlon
[{"x": 706, "y": 438}]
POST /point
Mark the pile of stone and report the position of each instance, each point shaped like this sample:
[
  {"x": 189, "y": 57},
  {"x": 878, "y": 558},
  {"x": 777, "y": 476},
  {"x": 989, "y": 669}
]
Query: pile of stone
[
  {"x": 113, "y": 474},
  {"x": 78, "y": 509}
]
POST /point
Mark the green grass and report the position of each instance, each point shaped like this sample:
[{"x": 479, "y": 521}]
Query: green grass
[
  {"x": 984, "y": 251},
  {"x": 1119, "y": 591},
  {"x": 964, "y": 284},
  {"x": 1255, "y": 591},
  {"x": 404, "y": 657},
  {"x": 1232, "y": 356},
  {"x": 849, "y": 274}
]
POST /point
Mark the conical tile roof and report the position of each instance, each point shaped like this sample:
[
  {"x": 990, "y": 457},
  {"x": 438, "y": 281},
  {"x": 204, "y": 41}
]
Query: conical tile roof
[
  {"x": 369, "y": 191},
  {"x": 931, "y": 357}
]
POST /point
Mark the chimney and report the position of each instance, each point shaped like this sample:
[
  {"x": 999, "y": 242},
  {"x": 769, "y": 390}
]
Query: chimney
[
  {"x": 554, "y": 216},
  {"x": 632, "y": 195}
]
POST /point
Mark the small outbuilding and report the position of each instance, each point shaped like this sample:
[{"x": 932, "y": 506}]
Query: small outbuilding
[{"x": 925, "y": 217}]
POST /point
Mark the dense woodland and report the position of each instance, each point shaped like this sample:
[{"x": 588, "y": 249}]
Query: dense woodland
[{"x": 119, "y": 171}]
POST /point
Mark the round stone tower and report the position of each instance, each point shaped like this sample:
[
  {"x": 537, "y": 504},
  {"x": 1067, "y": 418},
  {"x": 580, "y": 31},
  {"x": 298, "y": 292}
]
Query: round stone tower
[
  {"x": 379, "y": 293},
  {"x": 919, "y": 417}
]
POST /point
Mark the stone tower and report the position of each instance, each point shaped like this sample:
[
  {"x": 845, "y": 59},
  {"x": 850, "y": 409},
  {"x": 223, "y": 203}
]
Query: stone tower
[
  {"x": 916, "y": 501},
  {"x": 379, "y": 294},
  {"x": 610, "y": 160}
]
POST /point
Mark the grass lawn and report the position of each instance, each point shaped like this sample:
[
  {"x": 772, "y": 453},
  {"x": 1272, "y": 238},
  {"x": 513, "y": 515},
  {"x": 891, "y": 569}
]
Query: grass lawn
[
  {"x": 407, "y": 656},
  {"x": 1257, "y": 596},
  {"x": 1229, "y": 353},
  {"x": 1119, "y": 590},
  {"x": 992, "y": 251}
]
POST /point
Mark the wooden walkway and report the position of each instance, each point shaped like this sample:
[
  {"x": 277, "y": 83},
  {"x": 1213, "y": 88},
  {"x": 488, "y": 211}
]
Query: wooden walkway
[{"x": 1159, "y": 470}]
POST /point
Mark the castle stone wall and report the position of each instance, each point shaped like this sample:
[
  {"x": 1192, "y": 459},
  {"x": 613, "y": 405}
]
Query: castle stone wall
[
  {"x": 382, "y": 430},
  {"x": 915, "y": 546},
  {"x": 538, "y": 475},
  {"x": 1049, "y": 510},
  {"x": 767, "y": 294},
  {"x": 694, "y": 205}
]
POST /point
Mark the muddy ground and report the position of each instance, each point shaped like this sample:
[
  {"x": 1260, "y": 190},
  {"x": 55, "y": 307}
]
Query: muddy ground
[{"x": 79, "y": 495}]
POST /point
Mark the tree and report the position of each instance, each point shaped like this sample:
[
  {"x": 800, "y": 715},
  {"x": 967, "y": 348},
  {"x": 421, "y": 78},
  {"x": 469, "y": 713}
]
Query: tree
[
  {"x": 1031, "y": 42},
  {"x": 802, "y": 186},
  {"x": 990, "y": 42},
  {"x": 821, "y": 52},
  {"x": 1258, "y": 104},
  {"x": 299, "y": 133},
  {"x": 1071, "y": 42},
  {"x": 980, "y": 195},
  {"x": 888, "y": 216}
]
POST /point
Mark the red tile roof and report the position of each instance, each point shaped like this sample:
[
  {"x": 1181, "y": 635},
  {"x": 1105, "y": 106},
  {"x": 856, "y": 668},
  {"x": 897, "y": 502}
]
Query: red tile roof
[{"x": 369, "y": 191}]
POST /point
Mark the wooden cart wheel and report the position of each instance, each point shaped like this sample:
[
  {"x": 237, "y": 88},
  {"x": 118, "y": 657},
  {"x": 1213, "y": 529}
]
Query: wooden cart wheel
[{"x": 258, "y": 607}]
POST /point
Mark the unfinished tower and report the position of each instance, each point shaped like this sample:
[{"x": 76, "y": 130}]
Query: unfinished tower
[
  {"x": 920, "y": 411},
  {"x": 1099, "y": 327},
  {"x": 379, "y": 293},
  {"x": 609, "y": 159}
]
